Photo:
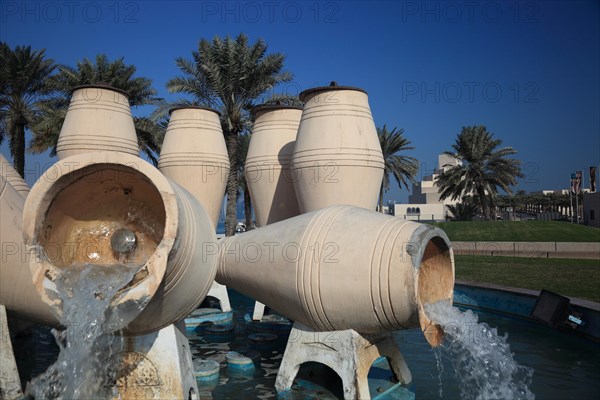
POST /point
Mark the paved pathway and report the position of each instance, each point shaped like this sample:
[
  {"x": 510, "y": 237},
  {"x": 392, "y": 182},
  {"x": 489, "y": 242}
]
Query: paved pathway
[{"x": 581, "y": 250}]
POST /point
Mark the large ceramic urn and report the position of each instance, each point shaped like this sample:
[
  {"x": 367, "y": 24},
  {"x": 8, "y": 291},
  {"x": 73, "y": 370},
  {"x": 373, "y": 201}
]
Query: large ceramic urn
[
  {"x": 112, "y": 210},
  {"x": 98, "y": 119},
  {"x": 337, "y": 158},
  {"x": 194, "y": 156},
  {"x": 268, "y": 162},
  {"x": 343, "y": 267}
]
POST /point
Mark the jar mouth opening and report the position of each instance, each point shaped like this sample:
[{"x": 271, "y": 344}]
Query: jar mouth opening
[
  {"x": 76, "y": 230},
  {"x": 435, "y": 283}
]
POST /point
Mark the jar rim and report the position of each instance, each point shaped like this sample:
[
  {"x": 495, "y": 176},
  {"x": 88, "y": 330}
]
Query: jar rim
[
  {"x": 317, "y": 89},
  {"x": 101, "y": 85},
  {"x": 183, "y": 107},
  {"x": 269, "y": 107}
]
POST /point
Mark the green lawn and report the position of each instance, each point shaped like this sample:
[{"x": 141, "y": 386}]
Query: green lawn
[
  {"x": 577, "y": 278},
  {"x": 519, "y": 231}
]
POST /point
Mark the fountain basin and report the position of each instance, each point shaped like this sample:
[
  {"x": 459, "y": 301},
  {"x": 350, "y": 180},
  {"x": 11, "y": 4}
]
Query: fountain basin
[
  {"x": 518, "y": 303},
  {"x": 565, "y": 366}
]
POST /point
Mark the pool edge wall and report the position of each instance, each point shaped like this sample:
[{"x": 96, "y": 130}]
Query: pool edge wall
[{"x": 518, "y": 303}]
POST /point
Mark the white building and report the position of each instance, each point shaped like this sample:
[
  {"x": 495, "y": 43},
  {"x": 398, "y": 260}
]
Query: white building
[
  {"x": 424, "y": 202},
  {"x": 591, "y": 209}
]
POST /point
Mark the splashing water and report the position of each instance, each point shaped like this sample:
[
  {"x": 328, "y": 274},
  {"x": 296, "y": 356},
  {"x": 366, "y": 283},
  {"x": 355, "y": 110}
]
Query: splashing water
[
  {"x": 81, "y": 371},
  {"x": 482, "y": 360}
]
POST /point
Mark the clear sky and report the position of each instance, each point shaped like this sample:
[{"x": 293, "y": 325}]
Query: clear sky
[{"x": 527, "y": 70}]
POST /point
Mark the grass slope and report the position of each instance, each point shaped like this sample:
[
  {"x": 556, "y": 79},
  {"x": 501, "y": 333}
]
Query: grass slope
[
  {"x": 576, "y": 278},
  {"x": 519, "y": 231}
]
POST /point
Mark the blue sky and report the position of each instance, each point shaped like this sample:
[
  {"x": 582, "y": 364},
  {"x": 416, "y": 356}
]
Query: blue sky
[{"x": 527, "y": 70}]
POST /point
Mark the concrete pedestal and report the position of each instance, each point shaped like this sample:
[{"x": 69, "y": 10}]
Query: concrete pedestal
[
  {"x": 157, "y": 365},
  {"x": 10, "y": 384},
  {"x": 259, "y": 311},
  {"x": 219, "y": 292},
  {"x": 347, "y": 352}
]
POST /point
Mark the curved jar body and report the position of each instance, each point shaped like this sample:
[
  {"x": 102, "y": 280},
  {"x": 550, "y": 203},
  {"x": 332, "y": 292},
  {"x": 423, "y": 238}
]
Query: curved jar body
[
  {"x": 70, "y": 221},
  {"x": 343, "y": 267},
  {"x": 13, "y": 177},
  {"x": 194, "y": 155},
  {"x": 267, "y": 167},
  {"x": 17, "y": 291},
  {"x": 98, "y": 119},
  {"x": 337, "y": 158}
]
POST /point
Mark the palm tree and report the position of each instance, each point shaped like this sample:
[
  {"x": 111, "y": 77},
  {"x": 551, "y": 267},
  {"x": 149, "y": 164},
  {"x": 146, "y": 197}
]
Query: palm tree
[
  {"x": 23, "y": 82},
  {"x": 403, "y": 168},
  {"x": 466, "y": 210},
  {"x": 552, "y": 202},
  {"x": 230, "y": 76},
  {"x": 502, "y": 202},
  {"x": 520, "y": 200},
  {"x": 482, "y": 170},
  {"x": 114, "y": 73}
]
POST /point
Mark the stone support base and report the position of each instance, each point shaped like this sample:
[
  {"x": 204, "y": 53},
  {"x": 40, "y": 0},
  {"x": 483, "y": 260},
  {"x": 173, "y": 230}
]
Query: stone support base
[
  {"x": 157, "y": 365},
  {"x": 10, "y": 384},
  {"x": 347, "y": 352},
  {"x": 219, "y": 292}
]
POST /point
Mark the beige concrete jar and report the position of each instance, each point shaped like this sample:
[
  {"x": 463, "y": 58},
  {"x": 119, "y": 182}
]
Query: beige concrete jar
[
  {"x": 72, "y": 219},
  {"x": 98, "y": 119},
  {"x": 195, "y": 156},
  {"x": 17, "y": 291},
  {"x": 337, "y": 158},
  {"x": 267, "y": 168},
  {"x": 343, "y": 267},
  {"x": 13, "y": 177}
]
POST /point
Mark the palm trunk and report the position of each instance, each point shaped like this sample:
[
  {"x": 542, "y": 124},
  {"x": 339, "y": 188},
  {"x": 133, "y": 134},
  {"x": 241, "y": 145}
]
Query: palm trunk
[
  {"x": 483, "y": 203},
  {"x": 381, "y": 199},
  {"x": 232, "y": 184},
  {"x": 17, "y": 146},
  {"x": 247, "y": 208}
]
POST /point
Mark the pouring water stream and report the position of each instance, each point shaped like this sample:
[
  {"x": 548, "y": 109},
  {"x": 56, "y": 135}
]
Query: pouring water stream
[{"x": 482, "y": 360}]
